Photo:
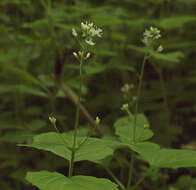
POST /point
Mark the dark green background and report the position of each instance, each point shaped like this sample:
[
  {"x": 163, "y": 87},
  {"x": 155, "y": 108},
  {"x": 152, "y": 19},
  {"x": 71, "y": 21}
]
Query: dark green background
[{"x": 29, "y": 93}]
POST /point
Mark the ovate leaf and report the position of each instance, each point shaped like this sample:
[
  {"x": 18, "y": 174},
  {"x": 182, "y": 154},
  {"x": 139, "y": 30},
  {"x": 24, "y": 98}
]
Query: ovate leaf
[
  {"x": 92, "y": 149},
  {"x": 143, "y": 147},
  {"x": 168, "y": 57},
  {"x": 124, "y": 129},
  {"x": 170, "y": 158},
  {"x": 20, "y": 74},
  {"x": 174, "y": 57},
  {"x": 45, "y": 180},
  {"x": 175, "y": 22}
]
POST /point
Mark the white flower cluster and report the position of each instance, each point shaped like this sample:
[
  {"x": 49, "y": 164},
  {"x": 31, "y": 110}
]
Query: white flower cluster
[
  {"x": 151, "y": 35},
  {"x": 89, "y": 32},
  {"x": 127, "y": 87}
]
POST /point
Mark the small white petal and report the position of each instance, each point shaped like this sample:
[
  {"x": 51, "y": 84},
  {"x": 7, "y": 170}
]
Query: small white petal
[
  {"x": 74, "y": 33},
  {"x": 160, "y": 49},
  {"x": 75, "y": 54},
  {"x": 88, "y": 55},
  {"x": 90, "y": 42}
]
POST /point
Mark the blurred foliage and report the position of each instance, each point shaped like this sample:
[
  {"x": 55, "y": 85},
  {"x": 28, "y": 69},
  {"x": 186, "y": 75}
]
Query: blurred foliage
[{"x": 29, "y": 94}]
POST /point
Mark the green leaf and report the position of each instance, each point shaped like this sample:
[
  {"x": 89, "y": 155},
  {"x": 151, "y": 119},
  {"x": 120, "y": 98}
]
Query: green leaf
[
  {"x": 20, "y": 74},
  {"x": 175, "y": 22},
  {"x": 168, "y": 57},
  {"x": 143, "y": 147},
  {"x": 45, "y": 180},
  {"x": 170, "y": 158},
  {"x": 22, "y": 89},
  {"x": 124, "y": 129},
  {"x": 60, "y": 144}
]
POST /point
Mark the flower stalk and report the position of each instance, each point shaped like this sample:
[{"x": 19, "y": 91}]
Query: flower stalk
[
  {"x": 149, "y": 38},
  {"x": 88, "y": 33},
  {"x": 71, "y": 165}
]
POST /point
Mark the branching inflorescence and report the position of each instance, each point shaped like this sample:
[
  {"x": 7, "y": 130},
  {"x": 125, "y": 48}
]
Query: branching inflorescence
[{"x": 150, "y": 36}]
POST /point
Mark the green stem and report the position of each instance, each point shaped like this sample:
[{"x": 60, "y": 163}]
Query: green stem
[
  {"x": 58, "y": 132},
  {"x": 131, "y": 169},
  {"x": 141, "y": 179},
  {"x": 163, "y": 89},
  {"x": 71, "y": 165},
  {"x": 135, "y": 119},
  {"x": 115, "y": 179},
  {"x": 138, "y": 95}
]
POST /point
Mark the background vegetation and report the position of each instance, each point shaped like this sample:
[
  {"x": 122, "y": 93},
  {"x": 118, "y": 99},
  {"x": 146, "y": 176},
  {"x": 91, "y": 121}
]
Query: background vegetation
[{"x": 32, "y": 56}]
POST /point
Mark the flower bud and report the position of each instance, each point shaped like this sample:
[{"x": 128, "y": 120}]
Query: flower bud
[
  {"x": 125, "y": 107},
  {"x": 87, "y": 55},
  {"x": 52, "y": 120},
  {"x": 74, "y": 33},
  {"x": 97, "y": 120},
  {"x": 75, "y": 55}
]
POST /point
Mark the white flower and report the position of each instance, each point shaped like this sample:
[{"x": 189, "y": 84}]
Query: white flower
[
  {"x": 87, "y": 55},
  {"x": 155, "y": 32},
  {"x": 89, "y": 32},
  {"x": 160, "y": 49},
  {"x": 126, "y": 87},
  {"x": 147, "y": 34},
  {"x": 84, "y": 26},
  {"x": 89, "y": 41},
  {"x": 151, "y": 35},
  {"x": 94, "y": 31},
  {"x": 74, "y": 33},
  {"x": 75, "y": 55}
]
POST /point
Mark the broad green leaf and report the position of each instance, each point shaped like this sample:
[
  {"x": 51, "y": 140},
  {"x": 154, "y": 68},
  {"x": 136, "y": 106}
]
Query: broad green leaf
[
  {"x": 140, "y": 147},
  {"x": 143, "y": 147},
  {"x": 124, "y": 129},
  {"x": 175, "y": 22},
  {"x": 170, "y": 158},
  {"x": 45, "y": 180},
  {"x": 166, "y": 57},
  {"x": 21, "y": 75},
  {"x": 22, "y": 89},
  {"x": 60, "y": 144}
]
